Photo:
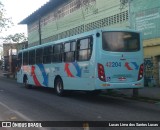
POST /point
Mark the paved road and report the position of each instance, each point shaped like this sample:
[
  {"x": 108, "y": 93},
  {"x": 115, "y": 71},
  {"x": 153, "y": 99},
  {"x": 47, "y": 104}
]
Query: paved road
[{"x": 39, "y": 104}]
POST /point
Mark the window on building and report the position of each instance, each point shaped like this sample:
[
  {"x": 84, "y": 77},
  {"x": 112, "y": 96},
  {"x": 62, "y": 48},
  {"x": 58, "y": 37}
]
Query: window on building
[
  {"x": 84, "y": 49},
  {"x": 47, "y": 54},
  {"x": 25, "y": 58},
  {"x": 31, "y": 57},
  {"x": 39, "y": 56},
  {"x": 69, "y": 51},
  {"x": 57, "y": 53}
]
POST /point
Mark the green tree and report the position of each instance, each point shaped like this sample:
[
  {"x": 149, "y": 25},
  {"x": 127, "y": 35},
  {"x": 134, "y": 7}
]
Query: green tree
[
  {"x": 16, "y": 38},
  {"x": 5, "y": 22}
]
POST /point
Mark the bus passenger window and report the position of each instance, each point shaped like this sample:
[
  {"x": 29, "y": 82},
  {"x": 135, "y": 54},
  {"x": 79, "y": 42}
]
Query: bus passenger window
[
  {"x": 57, "y": 53},
  {"x": 39, "y": 56},
  {"x": 47, "y": 52},
  {"x": 32, "y": 57},
  {"x": 19, "y": 60},
  {"x": 69, "y": 51},
  {"x": 84, "y": 49},
  {"x": 25, "y": 58}
]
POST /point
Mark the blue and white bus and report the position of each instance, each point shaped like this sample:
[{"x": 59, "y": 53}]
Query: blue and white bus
[{"x": 91, "y": 61}]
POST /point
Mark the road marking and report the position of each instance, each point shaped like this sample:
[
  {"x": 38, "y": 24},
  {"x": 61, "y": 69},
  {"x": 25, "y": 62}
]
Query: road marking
[
  {"x": 13, "y": 118},
  {"x": 16, "y": 116}
]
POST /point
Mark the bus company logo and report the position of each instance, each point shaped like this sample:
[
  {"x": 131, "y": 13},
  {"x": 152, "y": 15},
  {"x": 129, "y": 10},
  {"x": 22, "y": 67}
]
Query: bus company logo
[
  {"x": 131, "y": 65},
  {"x": 68, "y": 71}
]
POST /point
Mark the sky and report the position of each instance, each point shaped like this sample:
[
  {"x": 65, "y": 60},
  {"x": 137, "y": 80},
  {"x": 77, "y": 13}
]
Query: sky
[{"x": 19, "y": 10}]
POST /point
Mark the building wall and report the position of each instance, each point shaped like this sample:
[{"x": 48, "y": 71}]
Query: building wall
[
  {"x": 17, "y": 46},
  {"x": 151, "y": 47},
  {"x": 10, "y": 61},
  {"x": 96, "y": 14},
  {"x": 145, "y": 17},
  {"x": 142, "y": 15},
  {"x": 152, "y": 51}
]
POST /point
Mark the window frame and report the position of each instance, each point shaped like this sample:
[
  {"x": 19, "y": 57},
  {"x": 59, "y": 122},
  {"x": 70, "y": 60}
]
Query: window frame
[
  {"x": 38, "y": 57},
  {"x": 89, "y": 48},
  {"x": 70, "y": 51},
  {"x": 47, "y": 54},
  {"x": 32, "y": 58},
  {"x": 25, "y": 59},
  {"x": 126, "y": 48},
  {"x": 19, "y": 59},
  {"x": 59, "y": 54}
]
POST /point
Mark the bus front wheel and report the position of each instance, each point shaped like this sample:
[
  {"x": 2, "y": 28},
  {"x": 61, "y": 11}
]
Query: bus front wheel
[{"x": 59, "y": 87}]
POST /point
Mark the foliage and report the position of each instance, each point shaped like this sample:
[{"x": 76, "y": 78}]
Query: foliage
[
  {"x": 5, "y": 22},
  {"x": 16, "y": 38}
]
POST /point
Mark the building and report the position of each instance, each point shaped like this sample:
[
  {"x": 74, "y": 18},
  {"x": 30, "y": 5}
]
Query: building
[
  {"x": 10, "y": 55},
  {"x": 62, "y": 18},
  {"x": 145, "y": 17}
]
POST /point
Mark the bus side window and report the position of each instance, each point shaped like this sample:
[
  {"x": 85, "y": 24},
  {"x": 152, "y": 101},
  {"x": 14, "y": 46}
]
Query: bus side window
[
  {"x": 25, "y": 58},
  {"x": 31, "y": 57},
  {"x": 39, "y": 56},
  {"x": 47, "y": 53},
  {"x": 84, "y": 49},
  {"x": 19, "y": 60},
  {"x": 57, "y": 53},
  {"x": 69, "y": 51}
]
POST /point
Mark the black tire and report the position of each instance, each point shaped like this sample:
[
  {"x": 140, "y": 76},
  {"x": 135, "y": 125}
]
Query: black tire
[
  {"x": 25, "y": 82},
  {"x": 59, "y": 87}
]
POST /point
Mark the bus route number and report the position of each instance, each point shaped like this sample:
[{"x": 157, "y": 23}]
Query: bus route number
[{"x": 113, "y": 64}]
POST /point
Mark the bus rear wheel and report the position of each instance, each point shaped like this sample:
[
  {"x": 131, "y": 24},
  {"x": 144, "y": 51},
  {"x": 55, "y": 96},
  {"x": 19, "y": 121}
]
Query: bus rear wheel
[{"x": 59, "y": 87}]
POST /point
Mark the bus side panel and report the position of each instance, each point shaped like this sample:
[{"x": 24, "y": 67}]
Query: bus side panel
[
  {"x": 54, "y": 70},
  {"x": 19, "y": 76},
  {"x": 78, "y": 83},
  {"x": 78, "y": 76}
]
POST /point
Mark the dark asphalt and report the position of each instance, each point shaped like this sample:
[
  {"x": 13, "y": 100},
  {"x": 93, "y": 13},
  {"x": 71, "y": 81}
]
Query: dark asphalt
[{"x": 40, "y": 104}]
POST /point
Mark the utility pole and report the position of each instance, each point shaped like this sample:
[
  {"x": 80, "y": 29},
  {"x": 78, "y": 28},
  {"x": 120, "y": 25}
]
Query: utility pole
[
  {"x": 39, "y": 30},
  {"x": 10, "y": 60}
]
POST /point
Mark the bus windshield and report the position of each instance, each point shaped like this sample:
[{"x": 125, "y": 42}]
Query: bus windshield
[{"x": 121, "y": 41}]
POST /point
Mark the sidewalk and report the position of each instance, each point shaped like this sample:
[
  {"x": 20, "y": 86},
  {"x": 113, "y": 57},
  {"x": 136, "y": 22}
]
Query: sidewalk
[{"x": 146, "y": 93}]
